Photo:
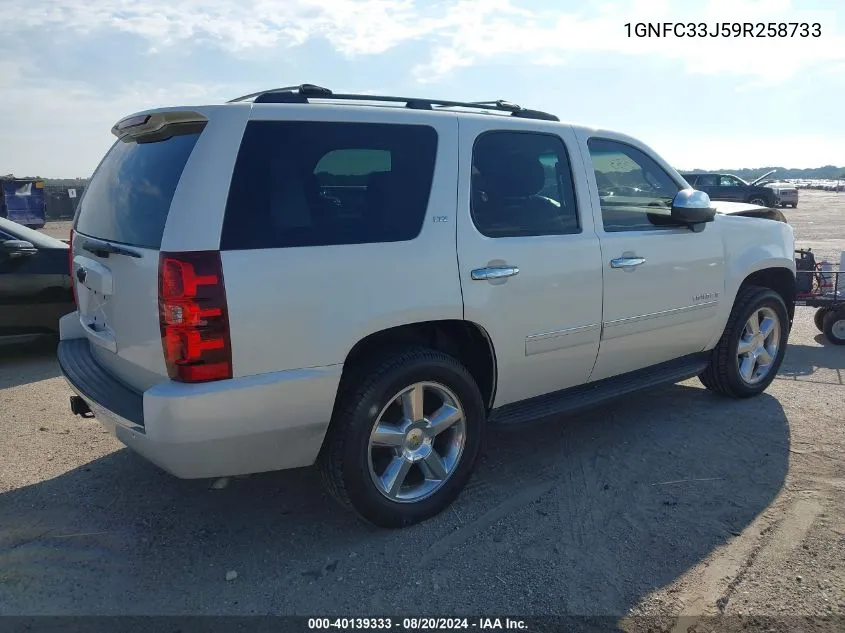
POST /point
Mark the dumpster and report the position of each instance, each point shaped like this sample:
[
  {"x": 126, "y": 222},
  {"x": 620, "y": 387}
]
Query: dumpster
[{"x": 22, "y": 200}]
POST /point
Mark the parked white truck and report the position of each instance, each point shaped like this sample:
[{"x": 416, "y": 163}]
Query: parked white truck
[{"x": 366, "y": 283}]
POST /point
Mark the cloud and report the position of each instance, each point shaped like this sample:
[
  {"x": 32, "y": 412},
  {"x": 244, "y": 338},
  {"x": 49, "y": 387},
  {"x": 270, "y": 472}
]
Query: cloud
[
  {"x": 546, "y": 34},
  {"x": 428, "y": 39},
  {"x": 61, "y": 125},
  {"x": 458, "y": 33},
  {"x": 353, "y": 27}
]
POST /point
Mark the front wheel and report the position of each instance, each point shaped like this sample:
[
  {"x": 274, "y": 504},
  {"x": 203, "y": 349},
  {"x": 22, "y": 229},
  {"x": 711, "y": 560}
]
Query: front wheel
[
  {"x": 834, "y": 326},
  {"x": 758, "y": 201},
  {"x": 746, "y": 359},
  {"x": 404, "y": 438}
]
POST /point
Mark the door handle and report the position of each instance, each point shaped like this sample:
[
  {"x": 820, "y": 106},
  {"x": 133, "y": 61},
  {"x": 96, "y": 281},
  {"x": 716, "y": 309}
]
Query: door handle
[
  {"x": 493, "y": 272},
  {"x": 626, "y": 262}
]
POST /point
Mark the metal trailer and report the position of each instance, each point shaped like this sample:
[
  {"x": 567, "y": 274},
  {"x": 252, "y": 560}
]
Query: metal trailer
[{"x": 819, "y": 287}]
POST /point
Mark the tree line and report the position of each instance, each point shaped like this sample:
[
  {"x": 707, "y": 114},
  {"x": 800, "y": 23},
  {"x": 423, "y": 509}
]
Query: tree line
[{"x": 828, "y": 172}]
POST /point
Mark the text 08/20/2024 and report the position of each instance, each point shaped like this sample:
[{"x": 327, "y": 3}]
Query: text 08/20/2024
[{"x": 723, "y": 29}]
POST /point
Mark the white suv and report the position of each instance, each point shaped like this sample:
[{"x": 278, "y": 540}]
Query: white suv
[{"x": 366, "y": 282}]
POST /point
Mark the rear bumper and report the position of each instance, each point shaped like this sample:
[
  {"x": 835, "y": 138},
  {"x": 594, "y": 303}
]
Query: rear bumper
[
  {"x": 245, "y": 425},
  {"x": 97, "y": 386}
]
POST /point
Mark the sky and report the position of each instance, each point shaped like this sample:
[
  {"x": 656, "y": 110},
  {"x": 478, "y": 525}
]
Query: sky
[{"x": 69, "y": 69}]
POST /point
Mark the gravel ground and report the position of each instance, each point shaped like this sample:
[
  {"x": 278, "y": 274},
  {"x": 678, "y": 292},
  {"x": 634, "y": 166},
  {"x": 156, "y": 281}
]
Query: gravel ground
[{"x": 676, "y": 511}]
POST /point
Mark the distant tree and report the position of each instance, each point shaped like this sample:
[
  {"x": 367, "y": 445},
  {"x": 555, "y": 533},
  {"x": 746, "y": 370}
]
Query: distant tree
[{"x": 828, "y": 172}]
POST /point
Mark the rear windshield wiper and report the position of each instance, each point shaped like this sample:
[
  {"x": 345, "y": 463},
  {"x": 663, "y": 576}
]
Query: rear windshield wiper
[{"x": 104, "y": 249}]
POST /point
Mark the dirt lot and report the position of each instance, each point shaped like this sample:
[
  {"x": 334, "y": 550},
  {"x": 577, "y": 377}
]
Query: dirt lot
[{"x": 673, "y": 503}]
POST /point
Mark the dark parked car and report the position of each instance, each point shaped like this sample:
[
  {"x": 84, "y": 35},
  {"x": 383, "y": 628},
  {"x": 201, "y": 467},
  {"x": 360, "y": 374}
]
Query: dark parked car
[
  {"x": 732, "y": 188},
  {"x": 35, "y": 288}
]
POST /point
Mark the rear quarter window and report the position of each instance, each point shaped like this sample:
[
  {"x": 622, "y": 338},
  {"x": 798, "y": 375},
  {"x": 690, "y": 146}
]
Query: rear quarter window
[
  {"x": 307, "y": 183},
  {"x": 129, "y": 197}
]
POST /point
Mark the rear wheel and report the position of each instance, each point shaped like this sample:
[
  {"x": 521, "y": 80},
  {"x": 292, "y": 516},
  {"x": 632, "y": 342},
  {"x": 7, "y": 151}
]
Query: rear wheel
[
  {"x": 834, "y": 326},
  {"x": 404, "y": 438},
  {"x": 818, "y": 318},
  {"x": 749, "y": 354}
]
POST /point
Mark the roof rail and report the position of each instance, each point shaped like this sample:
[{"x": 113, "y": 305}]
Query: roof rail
[{"x": 304, "y": 92}]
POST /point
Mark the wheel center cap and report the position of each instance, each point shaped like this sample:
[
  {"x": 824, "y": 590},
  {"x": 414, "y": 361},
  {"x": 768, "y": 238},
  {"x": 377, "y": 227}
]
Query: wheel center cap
[
  {"x": 414, "y": 439},
  {"x": 417, "y": 445}
]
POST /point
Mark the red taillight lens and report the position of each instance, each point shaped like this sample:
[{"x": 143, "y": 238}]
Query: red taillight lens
[
  {"x": 70, "y": 268},
  {"x": 193, "y": 316}
]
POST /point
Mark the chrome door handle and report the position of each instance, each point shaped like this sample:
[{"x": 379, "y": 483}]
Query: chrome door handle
[
  {"x": 626, "y": 262},
  {"x": 493, "y": 272}
]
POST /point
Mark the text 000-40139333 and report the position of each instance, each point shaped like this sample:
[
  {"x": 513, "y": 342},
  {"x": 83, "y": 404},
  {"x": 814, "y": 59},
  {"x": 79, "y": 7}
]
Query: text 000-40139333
[
  {"x": 416, "y": 623},
  {"x": 723, "y": 29}
]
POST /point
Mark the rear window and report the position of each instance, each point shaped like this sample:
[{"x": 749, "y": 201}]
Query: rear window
[
  {"x": 304, "y": 183},
  {"x": 129, "y": 197}
]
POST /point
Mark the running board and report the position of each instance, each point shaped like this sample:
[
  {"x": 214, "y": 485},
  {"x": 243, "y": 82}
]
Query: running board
[{"x": 575, "y": 399}]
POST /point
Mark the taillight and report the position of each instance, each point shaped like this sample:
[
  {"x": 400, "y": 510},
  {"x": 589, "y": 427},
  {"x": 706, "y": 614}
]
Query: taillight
[
  {"x": 193, "y": 316},
  {"x": 70, "y": 268}
]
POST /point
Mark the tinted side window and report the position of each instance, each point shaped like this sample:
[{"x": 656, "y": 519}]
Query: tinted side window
[
  {"x": 522, "y": 185},
  {"x": 303, "y": 183},
  {"x": 635, "y": 192},
  {"x": 708, "y": 181},
  {"x": 691, "y": 179},
  {"x": 129, "y": 197}
]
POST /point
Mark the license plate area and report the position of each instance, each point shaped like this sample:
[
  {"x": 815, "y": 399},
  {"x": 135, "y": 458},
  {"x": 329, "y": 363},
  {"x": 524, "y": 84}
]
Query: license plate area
[{"x": 94, "y": 290}]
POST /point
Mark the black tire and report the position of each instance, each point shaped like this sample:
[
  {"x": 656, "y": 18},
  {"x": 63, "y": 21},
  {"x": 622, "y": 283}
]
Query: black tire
[
  {"x": 344, "y": 458},
  {"x": 818, "y": 318},
  {"x": 795, "y": 206},
  {"x": 758, "y": 201},
  {"x": 834, "y": 318},
  {"x": 722, "y": 374}
]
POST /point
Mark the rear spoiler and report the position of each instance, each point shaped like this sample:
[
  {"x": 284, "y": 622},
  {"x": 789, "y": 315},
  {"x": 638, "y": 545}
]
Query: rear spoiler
[{"x": 139, "y": 125}]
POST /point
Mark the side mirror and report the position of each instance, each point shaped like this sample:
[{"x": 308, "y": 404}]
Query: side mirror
[
  {"x": 691, "y": 207},
  {"x": 16, "y": 248}
]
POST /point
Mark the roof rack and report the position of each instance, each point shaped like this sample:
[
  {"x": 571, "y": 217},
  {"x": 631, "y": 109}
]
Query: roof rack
[{"x": 304, "y": 92}]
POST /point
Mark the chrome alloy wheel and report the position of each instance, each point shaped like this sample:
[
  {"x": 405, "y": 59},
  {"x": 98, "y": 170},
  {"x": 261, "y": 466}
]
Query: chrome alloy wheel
[
  {"x": 416, "y": 442},
  {"x": 758, "y": 345}
]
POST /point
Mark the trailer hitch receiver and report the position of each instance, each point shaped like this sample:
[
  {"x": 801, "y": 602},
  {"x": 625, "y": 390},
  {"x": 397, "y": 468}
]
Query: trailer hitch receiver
[{"x": 78, "y": 406}]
